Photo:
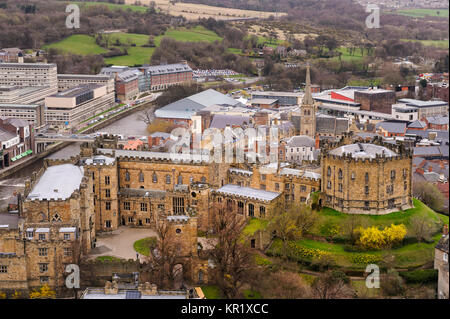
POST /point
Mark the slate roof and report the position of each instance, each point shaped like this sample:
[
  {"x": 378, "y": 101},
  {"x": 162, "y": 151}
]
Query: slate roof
[
  {"x": 330, "y": 124},
  {"x": 420, "y": 104},
  {"x": 9, "y": 221},
  {"x": 220, "y": 121},
  {"x": 392, "y": 127},
  {"x": 301, "y": 141},
  {"x": 438, "y": 120},
  {"x": 248, "y": 192},
  {"x": 417, "y": 124},
  {"x": 167, "y": 69},
  {"x": 5, "y": 135}
]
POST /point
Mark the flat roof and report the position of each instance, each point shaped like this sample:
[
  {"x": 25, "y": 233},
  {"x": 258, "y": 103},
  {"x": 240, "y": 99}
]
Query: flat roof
[
  {"x": 248, "y": 192},
  {"x": 29, "y": 65},
  {"x": 264, "y": 101},
  {"x": 77, "y": 91},
  {"x": 65, "y": 179},
  {"x": 275, "y": 93}
]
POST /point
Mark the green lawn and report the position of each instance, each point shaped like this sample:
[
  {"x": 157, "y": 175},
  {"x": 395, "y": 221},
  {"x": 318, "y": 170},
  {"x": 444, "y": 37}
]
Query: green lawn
[
  {"x": 332, "y": 217},
  {"x": 143, "y": 246},
  {"x": 108, "y": 258},
  {"x": 442, "y": 44},
  {"x": 254, "y": 225},
  {"x": 250, "y": 294},
  {"x": 137, "y": 55},
  {"x": 212, "y": 292},
  {"x": 111, "y": 6},
  {"x": 77, "y": 44},
  {"x": 422, "y": 13}
]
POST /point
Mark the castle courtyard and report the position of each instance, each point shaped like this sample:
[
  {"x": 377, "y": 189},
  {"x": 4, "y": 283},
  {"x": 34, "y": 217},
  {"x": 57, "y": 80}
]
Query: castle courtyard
[{"x": 119, "y": 243}]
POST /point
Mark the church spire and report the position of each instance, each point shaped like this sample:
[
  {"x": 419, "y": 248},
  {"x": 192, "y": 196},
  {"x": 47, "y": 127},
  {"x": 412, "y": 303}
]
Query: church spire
[{"x": 307, "y": 98}]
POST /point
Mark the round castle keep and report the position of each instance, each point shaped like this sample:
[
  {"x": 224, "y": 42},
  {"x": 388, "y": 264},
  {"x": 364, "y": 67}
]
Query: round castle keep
[{"x": 366, "y": 179}]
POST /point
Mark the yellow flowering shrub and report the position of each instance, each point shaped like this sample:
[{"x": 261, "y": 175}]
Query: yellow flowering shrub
[
  {"x": 375, "y": 238},
  {"x": 43, "y": 293}
]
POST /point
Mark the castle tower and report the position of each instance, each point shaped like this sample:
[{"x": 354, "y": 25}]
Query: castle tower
[{"x": 308, "y": 110}]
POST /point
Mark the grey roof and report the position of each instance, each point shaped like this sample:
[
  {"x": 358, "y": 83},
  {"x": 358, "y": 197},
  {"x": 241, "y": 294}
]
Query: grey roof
[
  {"x": 10, "y": 221},
  {"x": 248, "y": 192},
  {"x": 392, "y": 127},
  {"x": 100, "y": 160},
  {"x": 139, "y": 192},
  {"x": 420, "y": 104},
  {"x": 99, "y": 293},
  {"x": 363, "y": 150},
  {"x": 5, "y": 135},
  {"x": 240, "y": 171},
  {"x": 77, "y": 91},
  {"x": 29, "y": 65},
  {"x": 427, "y": 151},
  {"x": 167, "y": 69},
  {"x": 301, "y": 141},
  {"x": 221, "y": 121},
  {"x": 300, "y": 173},
  {"x": 439, "y": 120},
  {"x": 65, "y": 179},
  {"x": 417, "y": 124},
  {"x": 431, "y": 177},
  {"x": 331, "y": 125},
  {"x": 264, "y": 101},
  {"x": 185, "y": 108}
]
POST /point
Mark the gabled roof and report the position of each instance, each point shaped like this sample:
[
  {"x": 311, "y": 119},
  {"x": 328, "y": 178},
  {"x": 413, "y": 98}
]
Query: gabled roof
[
  {"x": 300, "y": 141},
  {"x": 392, "y": 127},
  {"x": 220, "y": 121},
  {"x": 417, "y": 124}
]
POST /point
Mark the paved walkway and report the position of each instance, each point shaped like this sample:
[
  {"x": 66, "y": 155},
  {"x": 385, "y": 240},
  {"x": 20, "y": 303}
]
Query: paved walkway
[{"x": 120, "y": 242}]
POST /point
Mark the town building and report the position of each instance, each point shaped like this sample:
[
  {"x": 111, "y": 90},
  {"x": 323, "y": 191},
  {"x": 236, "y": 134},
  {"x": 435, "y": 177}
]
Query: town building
[
  {"x": 300, "y": 148},
  {"x": 283, "y": 98},
  {"x": 441, "y": 264},
  {"x": 308, "y": 110},
  {"x": 161, "y": 77},
  {"x": 71, "y": 107},
  {"x": 11, "y": 55},
  {"x": 377, "y": 100},
  {"x": 33, "y": 113},
  {"x": 426, "y": 108},
  {"x": 16, "y": 140},
  {"x": 29, "y": 74}
]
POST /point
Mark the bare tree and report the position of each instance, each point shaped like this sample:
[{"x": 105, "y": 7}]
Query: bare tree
[
  {"x": 422, "y": 227},
  {"x": 164, "y": 256},
  {"x": 146, "y": 116},
  {"x": 231, "y": 257},
  {"x": 332, "y": 285}
]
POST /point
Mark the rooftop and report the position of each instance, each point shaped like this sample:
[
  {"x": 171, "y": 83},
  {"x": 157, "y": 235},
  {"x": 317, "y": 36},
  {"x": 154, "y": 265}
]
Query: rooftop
[
  {"x": 248, "y": 192},
  {"x": 57, "y": 182},
  {"x": 301, "y": 141},
  {"x": 362, "y": 150},
  {"x": 419, "y": 103}
]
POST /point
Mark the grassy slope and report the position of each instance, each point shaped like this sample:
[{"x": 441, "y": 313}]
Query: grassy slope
[
  {"x": 84, "y": 44},
  {"x": 422, "y": 13},
  {"x": 442, "y": 44},
  {"x": 411, "y": 255},
  {"x": 112, "y": 6},
  {"x": 77, "y": 44}
]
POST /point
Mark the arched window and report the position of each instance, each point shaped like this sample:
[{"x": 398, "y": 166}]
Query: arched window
[
  {"x": 42, "y": 217},
  {"x": 180, "y": 180},
  {"x": 155, "y": 178},
  {"x": 203, "y": 179},
  {"x": 340, "y": 173},
  {"x": 127, "y": 176},
  {"x": 329, "y": 171},
  {"x": 353, "y": 176},
  {"x": 366, "y": 177},
  {"x": 141, "y": 177},
  {"x": 200, "y": 276},
  {"x": 251, "y": 210},
  {"x": 167, "y": 179},
  {"x": 191, "y": 180}
]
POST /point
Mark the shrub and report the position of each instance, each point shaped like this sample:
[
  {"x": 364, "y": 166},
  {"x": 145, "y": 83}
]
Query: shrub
[
  {"x": 375, "y": 238},
  {"x": 420, "y": 276},
  {"x": 365, "y": 259}
]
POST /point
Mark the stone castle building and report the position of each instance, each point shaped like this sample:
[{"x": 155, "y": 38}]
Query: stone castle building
[
  {"x": 366, "y": 178},
  {"x": 69, "y": 201}
]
